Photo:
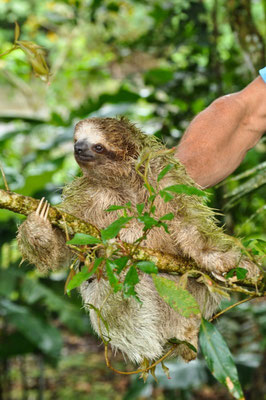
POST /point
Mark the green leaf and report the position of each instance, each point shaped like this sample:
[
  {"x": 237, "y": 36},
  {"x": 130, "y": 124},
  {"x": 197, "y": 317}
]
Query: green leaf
[
  {"x": 239, "y": 272},
  {"x": 152, "y": 198},
  {"x": 256, "y": 245},
  {"x": 184, "y": 189},
  {"x": 148, "y": 221},
  {"x": 112, "y": 277},
  {"x": 260, "y": 246},
  {"x": 113, "y": 229},
  {"x": 167, "y": 217},
  {"x": 83, "y": 275},
  {"x": 82, "y": 238},
  {"x": 219, "y": 358},
  {"x": 36, "y": 57},
  {"x": 152, "y": 210},
  {"x": 166, "y": 370},
  {"x": 120, "y": 263},
  {"x": 131, "y": 279},
  {"x": 17, "y": 31},
  {"x": 147, "y": 266},
  {"x": 166, "y": 196},
  {"x": 164, "y": 172},
  {"x": 114, "y": 208},
  {"x": 140, "y": 208},
  {"x": 165, "y": 226},
  {"x": 178, "y": 298},
  {"x": 149, "y": 187}
]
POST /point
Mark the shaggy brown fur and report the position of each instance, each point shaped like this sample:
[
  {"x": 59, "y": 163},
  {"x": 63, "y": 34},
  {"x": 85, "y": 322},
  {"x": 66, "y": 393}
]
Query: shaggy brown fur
[{"x": 109, "y": 177}]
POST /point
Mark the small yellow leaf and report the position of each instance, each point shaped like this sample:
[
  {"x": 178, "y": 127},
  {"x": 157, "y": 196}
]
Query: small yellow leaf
[
  {"x": 166, "y": 370},
  {"x": 36, "y": 57},
  {"x": 144, "y": 376},
  {"x": 17, "y": 31},
  {"x": 152, "y": 371}
]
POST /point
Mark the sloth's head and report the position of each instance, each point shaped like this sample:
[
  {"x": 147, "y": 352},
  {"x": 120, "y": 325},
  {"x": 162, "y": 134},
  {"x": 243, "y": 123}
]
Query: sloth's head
[{"x": 108, "y": 145}]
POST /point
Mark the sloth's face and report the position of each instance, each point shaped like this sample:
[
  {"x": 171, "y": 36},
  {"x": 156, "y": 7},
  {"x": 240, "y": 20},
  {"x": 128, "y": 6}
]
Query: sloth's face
[
  {"x": 90, "y": 146},
  {"x": 106, "y": 149}
]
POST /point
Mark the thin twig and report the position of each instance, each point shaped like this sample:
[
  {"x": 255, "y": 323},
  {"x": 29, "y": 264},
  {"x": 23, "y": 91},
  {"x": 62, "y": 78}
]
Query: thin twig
[
  {"x": 138, "y": 371},
  {"x": 230, "y": 307},
  {"x": 4, "y": 177}
]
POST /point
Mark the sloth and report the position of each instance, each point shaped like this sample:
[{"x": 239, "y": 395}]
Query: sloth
[{"x": 107, "y": 150}]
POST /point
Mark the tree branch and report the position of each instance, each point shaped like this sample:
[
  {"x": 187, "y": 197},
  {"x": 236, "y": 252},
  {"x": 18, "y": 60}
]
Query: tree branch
[
  {"x": 26, "y": 205},
  {"x": 165, "y": 262}
]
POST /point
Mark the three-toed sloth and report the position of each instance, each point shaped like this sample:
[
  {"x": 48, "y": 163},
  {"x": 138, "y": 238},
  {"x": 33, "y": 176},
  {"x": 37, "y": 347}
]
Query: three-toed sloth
[{"x": 107, "y": 149}]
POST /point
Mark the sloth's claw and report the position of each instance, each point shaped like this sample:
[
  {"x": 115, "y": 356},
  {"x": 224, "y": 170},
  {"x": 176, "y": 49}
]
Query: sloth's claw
[
  {"x": 39, "y": 206},
  {"x": 219, "y": 277},
  {"x": 43, "y": 209}
]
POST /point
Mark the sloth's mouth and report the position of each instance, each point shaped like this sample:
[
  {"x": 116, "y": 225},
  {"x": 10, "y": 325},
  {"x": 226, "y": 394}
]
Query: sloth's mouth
[{"x": 84, "y": 157}]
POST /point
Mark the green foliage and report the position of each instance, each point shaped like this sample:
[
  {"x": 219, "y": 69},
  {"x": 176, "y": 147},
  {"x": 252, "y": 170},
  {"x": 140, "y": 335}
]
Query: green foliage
[
  {"x": 130, "y": 281},
  {"x": 84, "y": 274},
  {"x": 112, "y": 276},
  {"x": 219, "y": 358},
  {"x": 33, "y": 52},
  {"x": 164, "y": 172},
  {"x": 178, "y": 298},
  {"x": 45, "y": 337},
  {"x": 82, "y": 239},
  {"x": 240, "y": 273},
  {"x": 113, "y": 229},
  {"x": 159, "y": 63},
  {"x": 147, "y": 266},
  {"x": 184, "y": 189}
]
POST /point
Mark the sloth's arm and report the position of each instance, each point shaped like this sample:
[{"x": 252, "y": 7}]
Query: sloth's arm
[
  {"x": 41, "y": 244},
  {"x": 214, "y": 251}
]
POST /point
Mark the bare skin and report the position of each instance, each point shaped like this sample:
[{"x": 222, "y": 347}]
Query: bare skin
[{"x": 218, "y": 138}]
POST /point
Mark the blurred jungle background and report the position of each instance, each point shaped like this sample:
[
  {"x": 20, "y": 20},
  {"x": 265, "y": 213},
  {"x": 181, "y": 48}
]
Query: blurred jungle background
[{"x": 160, "y": 63}]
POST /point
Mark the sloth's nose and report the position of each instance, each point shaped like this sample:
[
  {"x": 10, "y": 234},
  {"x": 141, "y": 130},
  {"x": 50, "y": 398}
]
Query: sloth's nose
[{"x": 81, "y": 147}]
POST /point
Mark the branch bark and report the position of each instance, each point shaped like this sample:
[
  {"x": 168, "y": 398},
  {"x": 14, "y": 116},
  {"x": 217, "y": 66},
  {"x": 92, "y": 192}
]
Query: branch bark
[{"x": 165, "y": 262}]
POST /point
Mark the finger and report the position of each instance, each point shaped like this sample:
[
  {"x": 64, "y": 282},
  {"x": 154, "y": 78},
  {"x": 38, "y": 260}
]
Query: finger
[
  {"x": 39, "y": 206},
  {"x": 47, "y": 211}
]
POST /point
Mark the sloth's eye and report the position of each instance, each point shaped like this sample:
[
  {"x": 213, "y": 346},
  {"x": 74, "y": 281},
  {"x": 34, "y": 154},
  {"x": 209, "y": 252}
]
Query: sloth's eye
[{"x": 98, "y": 148}]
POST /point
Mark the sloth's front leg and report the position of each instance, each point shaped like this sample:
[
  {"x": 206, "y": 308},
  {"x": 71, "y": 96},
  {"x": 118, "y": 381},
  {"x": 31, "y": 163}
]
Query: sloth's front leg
[
  {"x": 215, "y": 252},
  {"x": 40, "y": 243}
]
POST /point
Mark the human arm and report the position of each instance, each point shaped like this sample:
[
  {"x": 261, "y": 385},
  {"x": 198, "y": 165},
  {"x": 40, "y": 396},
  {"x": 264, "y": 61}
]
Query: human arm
[{"x": 217, "y": 140}]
